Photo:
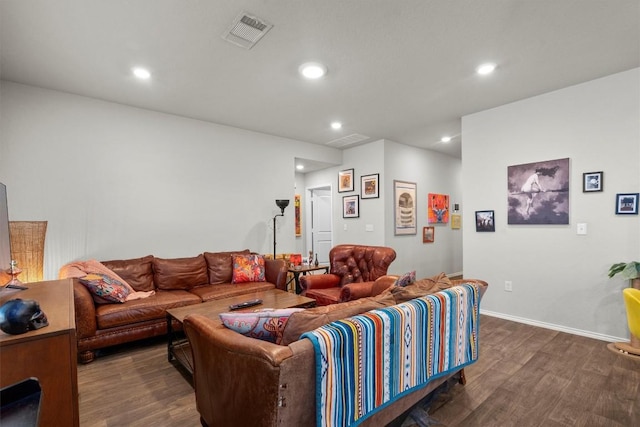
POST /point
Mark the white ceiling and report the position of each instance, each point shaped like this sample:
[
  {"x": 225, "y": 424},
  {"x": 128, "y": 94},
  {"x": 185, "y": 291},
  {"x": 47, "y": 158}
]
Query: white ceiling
[{"x": 401, "y": 70}]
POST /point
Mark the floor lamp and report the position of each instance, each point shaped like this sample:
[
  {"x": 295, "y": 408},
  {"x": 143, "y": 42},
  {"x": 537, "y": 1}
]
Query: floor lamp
[{"x": 281, "y": 204}]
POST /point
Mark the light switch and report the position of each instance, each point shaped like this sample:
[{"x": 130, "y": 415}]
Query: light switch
[
  {"x": 368, "y": 227},
  {"x": 582, "y": 228}
]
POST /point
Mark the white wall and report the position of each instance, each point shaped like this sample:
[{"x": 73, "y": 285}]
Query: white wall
[
  {"x": 118, "y": 182},
  {"x": 559, "y": 278}
]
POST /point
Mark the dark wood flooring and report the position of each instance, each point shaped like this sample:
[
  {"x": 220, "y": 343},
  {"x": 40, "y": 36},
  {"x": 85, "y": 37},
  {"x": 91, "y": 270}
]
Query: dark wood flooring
[{"x": 525, "y": 376}]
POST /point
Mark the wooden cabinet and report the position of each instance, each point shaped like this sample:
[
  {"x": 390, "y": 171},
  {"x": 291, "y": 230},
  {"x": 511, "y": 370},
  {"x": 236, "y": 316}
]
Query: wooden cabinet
[{"x": 48, "y": 354}]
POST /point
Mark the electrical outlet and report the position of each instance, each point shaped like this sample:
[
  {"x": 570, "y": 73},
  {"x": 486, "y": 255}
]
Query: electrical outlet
[{"x": 508, "y": 286}]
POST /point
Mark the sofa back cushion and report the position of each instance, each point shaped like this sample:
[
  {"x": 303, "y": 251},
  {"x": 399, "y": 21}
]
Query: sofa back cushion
[
  {"x": 420, "y": 288},
  {"x": 220, "y": 265},
  {"x": 180, "y": 273},
  {"x": 137, "y": 272},
  {"x": 358, "y": 263},
  {"x": 308, "y": 320}
]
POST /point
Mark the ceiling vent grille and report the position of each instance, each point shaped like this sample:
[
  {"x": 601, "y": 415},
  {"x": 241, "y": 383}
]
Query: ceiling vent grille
[
  {"x": 347, "y": 140},
  {"x": 246, "y": 30}
]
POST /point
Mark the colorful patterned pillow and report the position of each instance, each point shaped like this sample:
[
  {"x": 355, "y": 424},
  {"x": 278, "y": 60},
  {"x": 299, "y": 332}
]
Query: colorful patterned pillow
[
  {"x": 248, "y": 268},
  {"x": 267, "y": 324},
  {"x": 104, "y": 289},
  {"x": 406, "y": 279}
]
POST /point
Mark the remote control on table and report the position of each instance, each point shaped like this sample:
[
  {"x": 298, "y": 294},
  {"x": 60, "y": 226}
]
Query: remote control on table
[{"x": 245, "y": 304}]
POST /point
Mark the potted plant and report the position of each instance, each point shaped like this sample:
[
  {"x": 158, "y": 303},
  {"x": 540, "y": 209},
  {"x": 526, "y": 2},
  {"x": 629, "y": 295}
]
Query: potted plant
[
  {"x": 627, "y": 270},
  {"x": 631, "y": 272}
]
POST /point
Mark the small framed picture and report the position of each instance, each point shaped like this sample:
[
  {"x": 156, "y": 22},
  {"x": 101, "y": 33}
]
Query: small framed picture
[
  {"x": 369, "y": 186},
  {"x": 485, "y": 221},
  {"x": 428, "y": 234},
  {"x": 345, "y": 181},
  {"x": 627, "y": 204},
  {"x": 455, "y": 222},
  {"x": 592, "y": 182},
  {"x": 351, "y": 206}
]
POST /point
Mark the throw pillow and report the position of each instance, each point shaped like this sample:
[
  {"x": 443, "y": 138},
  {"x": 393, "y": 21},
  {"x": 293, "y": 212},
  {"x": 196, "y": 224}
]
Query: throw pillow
[
  {"x": 267, "y": 324},
  {"x": 406, "y": 278},
  {"x": 420, "y": 288},
  {"x": 104, "y": 289},
  {"x": 248, "y": 268}
]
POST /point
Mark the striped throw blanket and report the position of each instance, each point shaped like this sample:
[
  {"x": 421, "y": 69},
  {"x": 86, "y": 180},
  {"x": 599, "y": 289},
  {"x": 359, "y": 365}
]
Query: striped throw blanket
[{"x": 365, "y": 362}]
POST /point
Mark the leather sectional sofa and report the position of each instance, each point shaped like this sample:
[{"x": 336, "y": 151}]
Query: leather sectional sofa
[
  {"x": 177, "y": 282},
  {"x": 234, "y": 372}
]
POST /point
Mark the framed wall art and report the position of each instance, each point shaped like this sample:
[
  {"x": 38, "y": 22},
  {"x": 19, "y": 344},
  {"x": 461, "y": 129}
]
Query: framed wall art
[
  {"x": 350, "y": 206},
  {"x": 627, "y": 203},
  {"x": 438, "y": 208},
  {"x": 592, "y": 182},
  {"x": 345, "y": 181},
  {"x": 428, "y": 234},
  {"x": 455, "y": 222},
  {"x": 404, "y": 196},
  {"x": 369, "y": 186},
  {"x": 485, "y": 221},
  {"x": 298, "y": 221},
  {"x": 538, "y": 193}
]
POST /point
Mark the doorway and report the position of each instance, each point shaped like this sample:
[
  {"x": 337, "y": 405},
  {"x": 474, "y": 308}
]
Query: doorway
[{"x": 319, "y": 223}]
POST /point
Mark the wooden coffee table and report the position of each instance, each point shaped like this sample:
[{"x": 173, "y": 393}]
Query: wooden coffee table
[{"x": 178, "y": 347}]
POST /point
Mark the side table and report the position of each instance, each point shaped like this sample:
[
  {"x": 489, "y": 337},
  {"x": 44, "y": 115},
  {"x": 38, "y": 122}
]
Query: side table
[{"x": 304, "y": 269}]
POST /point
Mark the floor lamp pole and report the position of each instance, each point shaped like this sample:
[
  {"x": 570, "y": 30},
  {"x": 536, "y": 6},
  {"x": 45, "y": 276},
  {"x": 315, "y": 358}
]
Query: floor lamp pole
[{"x": 274, "y": 234}]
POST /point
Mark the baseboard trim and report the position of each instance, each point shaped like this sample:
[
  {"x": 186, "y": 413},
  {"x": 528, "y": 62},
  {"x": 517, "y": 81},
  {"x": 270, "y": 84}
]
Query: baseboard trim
[
  {"x": 456, "y": 274},
  {"x": 559, "y": 328}
]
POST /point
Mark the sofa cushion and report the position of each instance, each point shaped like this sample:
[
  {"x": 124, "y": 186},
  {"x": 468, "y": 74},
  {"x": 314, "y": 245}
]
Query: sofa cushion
[
  {"x": 180, "y": 273},
  {"x": 142, "y": 310},
  {"x": 248, "y": 268},
  {"x": 105, "y": 289},
  {"x": 220, "y": 265},
  {"x": 420, "y": 288},
  {"x": 310, "y": 319},
  {"x": 266, "y": 324},
  {"x": 227, "y": 290},
  {"x": 137, "y": 272}
]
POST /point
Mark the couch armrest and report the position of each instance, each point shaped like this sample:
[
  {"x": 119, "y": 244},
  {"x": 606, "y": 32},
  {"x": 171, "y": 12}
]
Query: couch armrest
[
  {"x": 482, "y": 285},
  {"x": 319, "y": 281},
  {"x": 85, "y": 308},
  {"x": 352, "y": 291},
  {"x": 275, "y": 271},
  {"x": 223, "y": 360}
]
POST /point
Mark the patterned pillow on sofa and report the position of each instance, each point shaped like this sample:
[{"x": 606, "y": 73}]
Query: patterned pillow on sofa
[
  {"x": 267, "y": 324},
  {"x": 104, "y": 289},
  {"x": 406, "y": 279},
  {"x": 248, "y": 268}
]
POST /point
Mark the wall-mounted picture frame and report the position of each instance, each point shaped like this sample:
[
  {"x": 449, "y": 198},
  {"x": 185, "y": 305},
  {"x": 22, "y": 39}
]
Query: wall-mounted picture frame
[
  {"x": 538, "y": 193},
  {"x": 485, "y": 221},
  {"x": 438, "y": 208},
  {"x": 351, "y": 206},
  {"x": 627, "y": 203},
  {"x": 345, "y": 181},
  {"x": 455, "y": 221},
  {"x": 405, "y": 205},
  {"x": 592, "y": 182},
  {"x": 370, "y": 186},
  {"x": 298, "y": 215},
  {"x": 428, "y": 234}
]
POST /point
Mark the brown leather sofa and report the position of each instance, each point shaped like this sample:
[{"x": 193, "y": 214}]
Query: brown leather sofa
[
  {"x": 277, "y": 383},
  {"x": 353, "y": 270},
  {"x": 177, "y": 282}
]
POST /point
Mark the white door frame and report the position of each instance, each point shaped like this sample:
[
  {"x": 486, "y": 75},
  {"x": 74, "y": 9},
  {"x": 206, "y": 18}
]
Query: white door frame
[{"x": 309, "y": 213}]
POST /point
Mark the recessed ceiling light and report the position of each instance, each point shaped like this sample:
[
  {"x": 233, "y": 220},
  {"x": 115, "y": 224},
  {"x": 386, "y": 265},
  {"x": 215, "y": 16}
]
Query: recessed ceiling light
[
  {"x": 445, "y": 139},
  {"x": 300, "y": 167},
  {"x": 312, "y": 70},
  {"x": 336, "y": 125},
  {"x": 141, "y": 73},
  {"x": 485, "y": 69}
]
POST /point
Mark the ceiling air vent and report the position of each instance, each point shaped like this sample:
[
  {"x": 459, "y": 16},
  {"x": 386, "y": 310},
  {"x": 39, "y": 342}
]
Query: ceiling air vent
[
  {"x": 246, "y": 30},
  {"x": 348, "y": 140}
]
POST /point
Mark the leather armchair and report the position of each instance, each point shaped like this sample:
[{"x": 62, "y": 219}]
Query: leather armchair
[{"x": 353, "y": 272}]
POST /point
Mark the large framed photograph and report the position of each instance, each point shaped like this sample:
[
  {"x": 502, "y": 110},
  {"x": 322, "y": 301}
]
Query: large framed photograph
[
  {"x": 428, "y": 234},
  {"x": 350, "y": 206},
  {"x": 345, "y": 181},
  {"x": 627, "y": 204},
  {"x": 404, "y": 196},
  {"x": 485, "y": 221},
  {"x": 369, "y": 186},
  {"x": 538, "y": 193},
  {"x": 592, "y": 182}
]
